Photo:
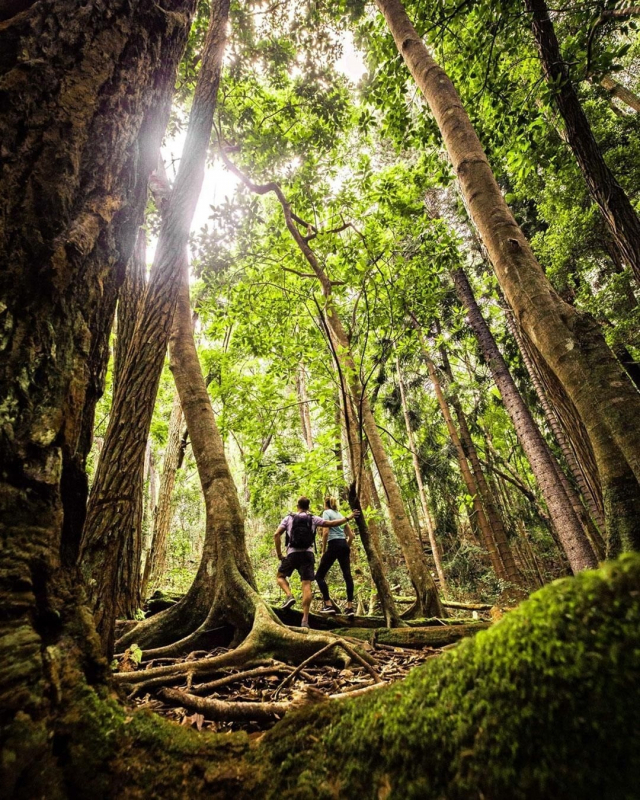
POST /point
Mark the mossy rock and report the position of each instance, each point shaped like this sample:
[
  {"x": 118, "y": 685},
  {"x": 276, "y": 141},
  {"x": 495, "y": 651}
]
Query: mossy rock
[{"x": 543, "y": 705}]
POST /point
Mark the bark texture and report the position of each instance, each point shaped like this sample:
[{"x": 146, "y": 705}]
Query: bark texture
[
  {"x": 543, "y": 464},
  {"x": 156, "y": 561},
  {"x": 114, "y": 514},
  {"x": 618, "y": 213},
  {"x": 85, "y": 89},
  {"x": 570, "y": 342}
]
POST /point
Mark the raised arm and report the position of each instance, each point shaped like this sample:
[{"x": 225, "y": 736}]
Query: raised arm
[{"x": 334, "y": 523}]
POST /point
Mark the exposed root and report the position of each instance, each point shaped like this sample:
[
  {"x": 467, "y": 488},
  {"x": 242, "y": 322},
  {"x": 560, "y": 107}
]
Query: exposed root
[
  {"x": 224, "y": 711},
  {"x": 247, "y": 674}
]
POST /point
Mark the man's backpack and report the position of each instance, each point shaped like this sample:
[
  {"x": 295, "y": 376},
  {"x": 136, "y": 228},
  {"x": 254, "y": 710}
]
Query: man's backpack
[{"x": 302, "y": 535}]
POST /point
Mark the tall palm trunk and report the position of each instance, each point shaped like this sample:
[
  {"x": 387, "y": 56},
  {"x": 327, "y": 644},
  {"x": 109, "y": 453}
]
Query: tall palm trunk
[
  {"x": 426, "y": 513},
  {"x": 570, "y": 342},
  {"x": 543, "y": 464},
  {"x": 616, "y": 208},
  {"x": 115, "y": 509}
]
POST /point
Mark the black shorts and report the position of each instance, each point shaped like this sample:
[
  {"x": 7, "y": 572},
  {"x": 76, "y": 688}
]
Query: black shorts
[{"x": 303, "y": 562}]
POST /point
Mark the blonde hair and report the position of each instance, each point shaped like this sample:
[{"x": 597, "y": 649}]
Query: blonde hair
[{"x": 331, "y": 502}]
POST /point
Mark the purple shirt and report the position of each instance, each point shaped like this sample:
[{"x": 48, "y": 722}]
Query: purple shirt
[{"x": 287, "y": 522}]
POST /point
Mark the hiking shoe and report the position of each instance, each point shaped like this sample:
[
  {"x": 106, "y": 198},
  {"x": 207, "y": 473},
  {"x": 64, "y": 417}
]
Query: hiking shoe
[
  {"x": 304, "y": 624},
  {"x": 350, "y": 612},
  {"x": 290, "y": 601},
  {"x": 327, "y": 610}
]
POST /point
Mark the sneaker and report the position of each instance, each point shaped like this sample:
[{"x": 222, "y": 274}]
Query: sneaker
[
  {"x": 304, "y": 624},
  {"x": 350, "y": 612},
  {"x": 327, "y": 610},
  {"x": 290, "y": 601}
]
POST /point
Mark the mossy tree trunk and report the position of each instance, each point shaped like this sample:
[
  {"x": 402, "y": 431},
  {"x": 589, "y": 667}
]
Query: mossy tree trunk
[
  {"x": 86, "y": 93},
  {"x": 114, "y": 513},
  {"x": 570, "y": 342}
]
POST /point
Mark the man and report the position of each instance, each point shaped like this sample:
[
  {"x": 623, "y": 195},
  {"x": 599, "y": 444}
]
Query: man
[
  {"x": 300, "y": 531},
  {"x": 336, "y": 546}
]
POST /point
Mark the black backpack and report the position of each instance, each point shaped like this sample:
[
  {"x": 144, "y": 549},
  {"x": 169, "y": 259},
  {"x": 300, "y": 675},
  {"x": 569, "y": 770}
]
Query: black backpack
[{"x": 302, "y": 534}]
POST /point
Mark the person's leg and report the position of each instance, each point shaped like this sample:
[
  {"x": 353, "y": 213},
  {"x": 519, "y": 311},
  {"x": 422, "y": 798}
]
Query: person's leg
[
  {"x": 344, "y": 559},
  {"x": 326, "y": 562},
  {"x": 284, "y": 573},
  {"x": 306, "y": 602}
]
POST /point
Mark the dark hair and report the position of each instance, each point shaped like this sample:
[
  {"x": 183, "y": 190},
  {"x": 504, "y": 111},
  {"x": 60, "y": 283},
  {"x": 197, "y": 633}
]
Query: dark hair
[
  {"x": 331, "y": 502},
  {"x": 303, "y": 503}
]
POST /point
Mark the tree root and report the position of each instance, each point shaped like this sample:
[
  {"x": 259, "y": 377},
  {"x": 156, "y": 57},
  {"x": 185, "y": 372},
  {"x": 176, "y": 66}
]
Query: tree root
[
  {"x": 228, "y": 711},
  {"x": 274, "y": 669},
  {"x": 267, "y": 640}
]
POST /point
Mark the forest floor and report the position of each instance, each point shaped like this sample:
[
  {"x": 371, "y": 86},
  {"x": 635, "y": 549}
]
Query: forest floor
[{"x": 314, "y": 683}]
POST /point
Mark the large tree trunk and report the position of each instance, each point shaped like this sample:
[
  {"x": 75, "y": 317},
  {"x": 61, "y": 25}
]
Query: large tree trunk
[
  {"x": 86, "y": 90},
  {"x": 543, "y": 464},
  {"x": 570, "y": 342},
  {"x": 109, "y": 565},
  {"x": 157, "y": 558},
  {"x": 426, "y": 513},
  {"x": 617, "y": 211}
]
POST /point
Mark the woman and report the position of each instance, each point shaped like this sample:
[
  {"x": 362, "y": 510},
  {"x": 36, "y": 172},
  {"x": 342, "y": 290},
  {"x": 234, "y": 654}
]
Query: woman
[{"x": 336, "y": 546}]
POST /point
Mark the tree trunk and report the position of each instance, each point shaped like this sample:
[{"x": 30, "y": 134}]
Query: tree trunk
[
  {"x": 110, "y": 568},
  {"x": 621, "y": 92},
  {"x": 156, "y": 561},
  {"x": 618, "y": 213},
  {"x": 468, "y": 478},
  {"x": 303, "y": 405},
  {"x": 86, "y": 90},
  {"x": 543, "y": 464},
  {"x": 360, "y": 497},
  {"x": 426, "y": 513},
  {"x": 570, "y": 342},
  {"x": 130, "y": 301},
  {"x": 584, "y": 472}
]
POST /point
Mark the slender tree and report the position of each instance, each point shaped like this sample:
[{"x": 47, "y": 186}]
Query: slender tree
[
  {"x": 427, "y": 602},
  {"x": 570, "y": 342},
  {"x": 618, "y": 213},
  {"x": 543, "y": 464},
  {"x": 156, "y": 560},
  {"x": 426, "y": 513}
]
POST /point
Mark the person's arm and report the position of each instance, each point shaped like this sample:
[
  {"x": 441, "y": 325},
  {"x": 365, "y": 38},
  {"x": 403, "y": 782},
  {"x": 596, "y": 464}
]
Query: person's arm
[
  {"x": 349, "y": 532},
  {"x": 334, "y": 523},
  {"x": 277, "y": 538},
  {"x": 325, "y": 536}
]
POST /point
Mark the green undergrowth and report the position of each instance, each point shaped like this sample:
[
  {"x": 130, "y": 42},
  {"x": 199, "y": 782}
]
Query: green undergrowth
[{"x": 543, "y": 705}]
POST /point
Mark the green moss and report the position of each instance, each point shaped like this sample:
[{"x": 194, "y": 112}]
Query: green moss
[{"x": 545, "y": 704}]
